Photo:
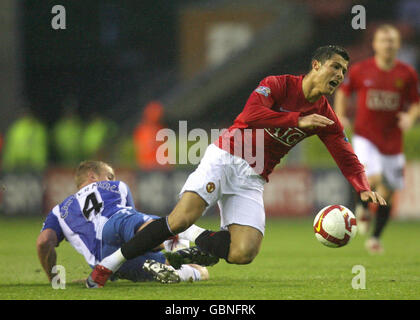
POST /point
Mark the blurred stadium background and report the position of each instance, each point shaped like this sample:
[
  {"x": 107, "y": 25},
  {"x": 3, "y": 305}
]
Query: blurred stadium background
[{"x": 121, "y": 70}]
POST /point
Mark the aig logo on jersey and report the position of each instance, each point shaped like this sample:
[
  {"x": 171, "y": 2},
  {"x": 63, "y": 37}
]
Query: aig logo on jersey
[
  {"x": 288, "y": 137},
  {"x": 265, "y": 91},
  {"x": 382, "y": 100}
]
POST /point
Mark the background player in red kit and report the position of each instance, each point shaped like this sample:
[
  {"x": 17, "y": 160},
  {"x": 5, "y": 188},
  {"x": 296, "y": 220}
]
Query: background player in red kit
[
  {"x": 385, "y": 87},
  {"x": 283, "y": 110}
]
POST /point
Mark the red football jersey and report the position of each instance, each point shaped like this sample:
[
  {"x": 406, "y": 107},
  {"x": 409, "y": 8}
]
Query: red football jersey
[
  {"x": 380, "y": 96},
  {"x": 274, "y": 107}
]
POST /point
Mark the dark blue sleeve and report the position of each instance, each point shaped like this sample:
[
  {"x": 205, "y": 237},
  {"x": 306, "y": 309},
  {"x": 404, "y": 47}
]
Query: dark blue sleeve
[{"x": 51, "y": 222}]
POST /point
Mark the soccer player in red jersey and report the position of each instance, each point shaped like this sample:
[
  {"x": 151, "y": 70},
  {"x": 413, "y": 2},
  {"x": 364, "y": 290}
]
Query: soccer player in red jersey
[
  {"x": 387, "y": 105},
  {"x": 279, "y": 113}
]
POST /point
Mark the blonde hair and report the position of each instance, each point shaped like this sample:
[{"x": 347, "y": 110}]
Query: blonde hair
[
  {"x": 387, "y": 27},
  {"x": 86, "y": 166}
]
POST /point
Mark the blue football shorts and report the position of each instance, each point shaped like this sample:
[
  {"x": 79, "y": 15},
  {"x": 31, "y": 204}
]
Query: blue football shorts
[{"x": 119, "y": 229}]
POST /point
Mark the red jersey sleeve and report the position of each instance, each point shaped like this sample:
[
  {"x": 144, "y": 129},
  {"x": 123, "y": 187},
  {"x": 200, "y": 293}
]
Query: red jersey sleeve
[
  {"x": 413, "y": 87},
  {"x": 258, "y": 112},
  {"x": 339, "y": 147}
]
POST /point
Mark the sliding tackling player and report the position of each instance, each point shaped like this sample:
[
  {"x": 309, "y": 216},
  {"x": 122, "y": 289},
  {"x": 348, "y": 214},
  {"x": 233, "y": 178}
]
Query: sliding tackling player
[{"x": 97, "y": 220}]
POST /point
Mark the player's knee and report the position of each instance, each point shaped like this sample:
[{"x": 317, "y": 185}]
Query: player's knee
[
  {"x": 241, "y": 255},
  {"x": 41, "y": 242},
  {"x": 240, "y": 258},
  {"x": 44, "y": 242}
]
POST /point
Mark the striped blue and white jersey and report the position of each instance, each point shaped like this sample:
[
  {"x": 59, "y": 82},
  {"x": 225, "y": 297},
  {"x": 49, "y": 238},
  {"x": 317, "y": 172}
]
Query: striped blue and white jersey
[{"x": 80, "y": 217}]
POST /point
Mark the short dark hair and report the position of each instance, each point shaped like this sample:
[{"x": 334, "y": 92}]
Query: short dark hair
[{"x": 324, "y": 53}]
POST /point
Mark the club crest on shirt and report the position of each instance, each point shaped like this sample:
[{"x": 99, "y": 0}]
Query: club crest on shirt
[
  {"x": 399, "y": 83},
  {"x": 210, "y": 187},
  {"x": 265, "y": 91}
]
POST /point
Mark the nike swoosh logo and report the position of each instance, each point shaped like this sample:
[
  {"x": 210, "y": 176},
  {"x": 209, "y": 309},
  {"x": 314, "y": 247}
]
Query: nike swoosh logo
[{"x": 318, "y": 227}]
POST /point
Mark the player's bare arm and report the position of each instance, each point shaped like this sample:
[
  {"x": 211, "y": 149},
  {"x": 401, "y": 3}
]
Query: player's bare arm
[
  {"x": 45, "y": 245},
  {"x": 340, "y": 107},
  {"x": 407, "y": 119}
]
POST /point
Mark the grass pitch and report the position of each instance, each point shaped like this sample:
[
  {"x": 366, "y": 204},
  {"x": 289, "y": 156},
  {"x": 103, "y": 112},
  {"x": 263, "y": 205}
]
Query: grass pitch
[{"x": 290, "y": 265}]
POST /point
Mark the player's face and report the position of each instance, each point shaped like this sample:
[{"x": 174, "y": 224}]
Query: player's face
[
  {"x": 107, "y": 174},
  {"x": 386, "y": 43},
  {"x": 331, "y": 73}
]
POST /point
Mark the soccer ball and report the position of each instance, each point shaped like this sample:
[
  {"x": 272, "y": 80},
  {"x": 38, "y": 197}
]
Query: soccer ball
[{"x": 335, "y": 226}]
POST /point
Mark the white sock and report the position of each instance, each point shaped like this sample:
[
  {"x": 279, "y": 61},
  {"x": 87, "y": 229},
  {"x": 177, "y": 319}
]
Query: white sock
[
  {"x": 187, "y": 273},
  {"x": 114, "y": 261},
  {"x": 191, "y": 233},
  {"x": 178, "y": 244}
]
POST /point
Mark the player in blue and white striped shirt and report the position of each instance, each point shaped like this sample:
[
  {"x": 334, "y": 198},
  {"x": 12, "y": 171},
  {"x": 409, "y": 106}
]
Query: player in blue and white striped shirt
[{"x": 97, "y": 220}]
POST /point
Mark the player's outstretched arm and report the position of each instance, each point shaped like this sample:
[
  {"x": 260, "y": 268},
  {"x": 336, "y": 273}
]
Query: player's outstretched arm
[
  {"x": 372, "y": 196},
  {"x": 314, "y": 120},
  {"x": 45, "y": 245}
]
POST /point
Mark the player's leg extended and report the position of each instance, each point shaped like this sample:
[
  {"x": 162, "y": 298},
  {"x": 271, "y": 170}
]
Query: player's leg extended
[
  {"x": 244, "y": 219},
  {"x": 373, "y": 244},
  {"x": 196, "y": 195},
  {"x": 188, "y": 209},
  {"x": 362, "y": 211},
  {"x": 148, "y": 236},
  {"x": 392, "y": 179},
  {"x": 363, "y": 216},
  {"x": 239, "y": 244},
  {"x": 370, "y": 157},
  {"x": 383, "y": 212},
  {"x": 153, "y": 266}
]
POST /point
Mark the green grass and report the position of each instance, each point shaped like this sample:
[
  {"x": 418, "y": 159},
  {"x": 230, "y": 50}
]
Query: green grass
[{"x": 290, "y": 265}]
